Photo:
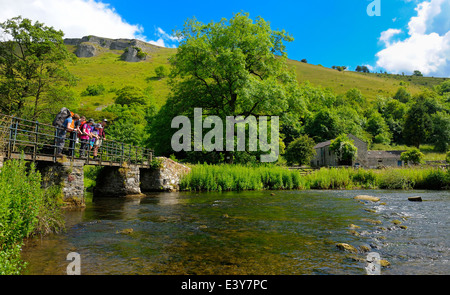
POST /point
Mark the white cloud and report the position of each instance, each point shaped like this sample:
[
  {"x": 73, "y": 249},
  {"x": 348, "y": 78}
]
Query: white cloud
[
  {"x": 77, "y": 18},
  {"x": 386, "y": 36},
  {"x": 425, "y": 49}
]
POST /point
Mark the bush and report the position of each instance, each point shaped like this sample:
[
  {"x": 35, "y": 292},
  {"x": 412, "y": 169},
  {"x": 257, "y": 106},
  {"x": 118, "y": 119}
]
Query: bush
[
  {"x": 413, "y": 156},
  {"x": 161, "y": 72},
  {"x": 300, "y": 151},
  {"x": 94, "y": 90},
  {"x": 25, "y": 209}
]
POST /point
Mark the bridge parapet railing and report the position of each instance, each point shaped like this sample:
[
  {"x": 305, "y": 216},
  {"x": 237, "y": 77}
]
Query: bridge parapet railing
[{"x": 37, "y": 139}]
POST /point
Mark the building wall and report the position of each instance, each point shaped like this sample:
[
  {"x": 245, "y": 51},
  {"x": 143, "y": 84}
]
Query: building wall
[
  {"x": 361, "y": 156},
  {"x": 375, "y": 162},
  {"x": 324, "y": 157}
]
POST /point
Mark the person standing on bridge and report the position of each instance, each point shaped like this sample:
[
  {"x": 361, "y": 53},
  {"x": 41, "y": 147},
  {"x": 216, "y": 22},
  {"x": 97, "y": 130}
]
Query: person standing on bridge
[
  {"x": 73, "y": 134},
  {"x": 101, "y": 136},
  {"x": 61, "y": 135},
  {"x": 85, "y": 137}
]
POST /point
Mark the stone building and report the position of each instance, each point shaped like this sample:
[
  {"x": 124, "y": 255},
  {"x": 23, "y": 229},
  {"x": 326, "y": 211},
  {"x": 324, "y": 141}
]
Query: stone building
[{"x": 364, "y": 158}]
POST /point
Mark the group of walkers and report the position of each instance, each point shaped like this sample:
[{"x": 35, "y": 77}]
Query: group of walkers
[{"x": 87, "y": 132}]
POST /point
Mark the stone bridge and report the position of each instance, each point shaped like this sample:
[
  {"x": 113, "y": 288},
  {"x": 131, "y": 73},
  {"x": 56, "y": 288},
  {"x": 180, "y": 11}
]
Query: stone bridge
[{"x": 126, "y": 169}]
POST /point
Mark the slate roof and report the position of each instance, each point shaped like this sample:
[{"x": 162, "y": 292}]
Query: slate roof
[{"x": 384, "y": 154}]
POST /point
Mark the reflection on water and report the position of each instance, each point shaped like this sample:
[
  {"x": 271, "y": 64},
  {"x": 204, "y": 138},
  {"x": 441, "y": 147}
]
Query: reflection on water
[{"x": 290, "y": 232}]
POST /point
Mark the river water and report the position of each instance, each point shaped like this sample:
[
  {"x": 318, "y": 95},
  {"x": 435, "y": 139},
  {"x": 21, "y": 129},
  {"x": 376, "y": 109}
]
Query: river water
[{"x": 254, "y": 233}]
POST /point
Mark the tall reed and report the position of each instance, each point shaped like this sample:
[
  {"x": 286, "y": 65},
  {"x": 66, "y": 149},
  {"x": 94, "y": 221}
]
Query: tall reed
[
  {"x": 206, "y": 177},
  {"x": 240, "y": 177}
]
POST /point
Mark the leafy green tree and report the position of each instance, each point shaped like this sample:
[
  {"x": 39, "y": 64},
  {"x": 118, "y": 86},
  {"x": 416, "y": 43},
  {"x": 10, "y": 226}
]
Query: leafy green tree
[
  {"x": 323, "y": 126},
  {"x": 129, "y": 95},
  {"x": 130, "y": 123},
  {"x": 417, "y": 73},
  {"x": 344, "y": 149},
  {"x": 378, "y": 128},
  {"x": 418, "y": 125},
  {"x": 300, "y": 151},
  {"x": 234, "y": 67},
  {"x": 441, "y": 131},
  {"x": 443, "y": 88},
  {"x": 402, "y": 95},
  {"x": 161, "y": 72},
  {"x": 32, "y": 63},
  {"x": 413, "y": 156}
]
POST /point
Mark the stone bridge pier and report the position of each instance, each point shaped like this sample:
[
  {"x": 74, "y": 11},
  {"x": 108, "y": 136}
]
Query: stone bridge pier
[
  {"x": 112, "y": 181},
  {"x": 134, "y": 179},
  {"x": 69, "y": 175}
]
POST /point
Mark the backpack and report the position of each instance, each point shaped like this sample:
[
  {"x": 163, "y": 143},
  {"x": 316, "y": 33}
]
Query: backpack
[{"x": 61, "y": 117}]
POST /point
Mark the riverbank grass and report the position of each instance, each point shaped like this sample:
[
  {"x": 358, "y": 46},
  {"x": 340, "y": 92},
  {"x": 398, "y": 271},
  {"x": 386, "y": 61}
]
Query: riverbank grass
[
  {"x": 25, "y": 210},
  {"x": 204, "y": 177}
]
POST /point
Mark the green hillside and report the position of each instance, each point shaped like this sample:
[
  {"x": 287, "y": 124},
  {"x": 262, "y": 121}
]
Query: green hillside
[
  {"x": 109, "y": 70},
  {"x": 113, "y": 73},
  {"x": 370, "y": 85}
]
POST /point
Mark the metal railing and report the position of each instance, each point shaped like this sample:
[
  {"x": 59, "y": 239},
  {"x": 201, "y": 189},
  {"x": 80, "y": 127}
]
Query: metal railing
[{"x": 40, "y": 141}]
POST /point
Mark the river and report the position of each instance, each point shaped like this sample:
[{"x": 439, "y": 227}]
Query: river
[{"x": 250, "y": 233}]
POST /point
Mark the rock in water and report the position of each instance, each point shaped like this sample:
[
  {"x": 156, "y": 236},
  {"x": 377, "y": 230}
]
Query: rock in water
[
  {"x": 126, "y": 231},
  {"x": 367, "y": 198},
  {"x": 415, "y": 199},
  {"x": 347, "y": 247}
]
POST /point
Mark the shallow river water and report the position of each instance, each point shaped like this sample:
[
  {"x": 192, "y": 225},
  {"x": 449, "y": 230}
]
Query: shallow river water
[{"x": 258, "y": 233}]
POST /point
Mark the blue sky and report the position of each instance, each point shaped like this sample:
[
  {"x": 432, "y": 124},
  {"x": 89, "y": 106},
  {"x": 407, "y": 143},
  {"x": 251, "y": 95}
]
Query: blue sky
[{"x": 408, "y": 35}]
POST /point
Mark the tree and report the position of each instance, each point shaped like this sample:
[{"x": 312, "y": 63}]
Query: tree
[
  {"x": 161, "y": 72},
  {"x": 378, "y": 128},
  {"x": 300, "y": 151},
  {"x": 32, "y": 63},
  {"x": 363, "y": 69},
  {"x": 417, "y": 73},
  {"x": 304, "y": 61},
  {"x": 418, "y": 124},
  {"x": 324, "y": 126},
  {"x": 235, "y": 67},
  {"x": 413, "y": 156},
  {"x": 344, "y": 149},
  {"x": 441, "y": 131},
  {"x": 402, "y": 95},
  {"x": 129, "y": 95}
]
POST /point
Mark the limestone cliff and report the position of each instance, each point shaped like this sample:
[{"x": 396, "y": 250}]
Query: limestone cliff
[{"x": 132, "y": 50}]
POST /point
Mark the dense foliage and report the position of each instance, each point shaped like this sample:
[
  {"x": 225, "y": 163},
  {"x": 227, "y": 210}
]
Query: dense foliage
[
  {"x": 33, "y": 73},
  {"x": 25, "y": 209}
]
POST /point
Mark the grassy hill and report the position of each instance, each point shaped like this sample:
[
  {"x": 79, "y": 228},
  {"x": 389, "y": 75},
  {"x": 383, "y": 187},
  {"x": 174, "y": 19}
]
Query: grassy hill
[{"x": 113, "y": 73}]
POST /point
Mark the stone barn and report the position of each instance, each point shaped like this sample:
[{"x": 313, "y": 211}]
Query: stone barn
[{"x": 325, "y": 157}]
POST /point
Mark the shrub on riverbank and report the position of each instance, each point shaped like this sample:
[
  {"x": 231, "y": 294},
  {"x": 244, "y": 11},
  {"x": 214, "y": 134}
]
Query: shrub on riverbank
[
  {"x": 238, "y": 177},
  {"x": 25, "y": 209}
]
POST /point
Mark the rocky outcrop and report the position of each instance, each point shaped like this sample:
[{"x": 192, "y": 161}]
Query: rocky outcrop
[
  {"x": 133, "y": 50},
  {"x": 86, "y": 49}
]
